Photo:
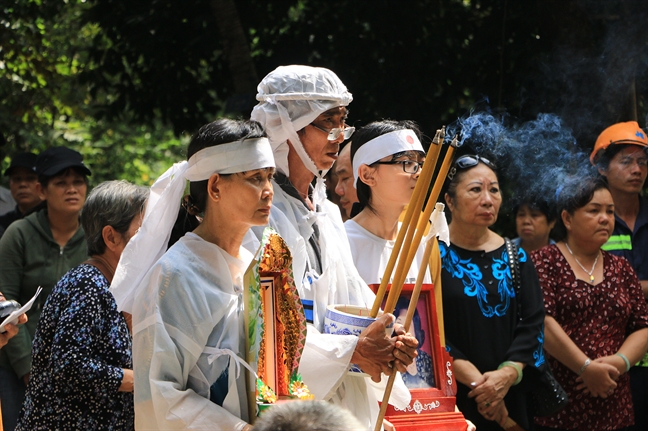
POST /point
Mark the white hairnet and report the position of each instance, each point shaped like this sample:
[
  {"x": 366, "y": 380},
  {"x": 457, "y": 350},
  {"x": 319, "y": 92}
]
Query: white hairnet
[{"x": 290, "y": 98}]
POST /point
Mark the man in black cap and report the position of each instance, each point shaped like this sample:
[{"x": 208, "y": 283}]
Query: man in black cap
[{"x": 23, "y": 183}]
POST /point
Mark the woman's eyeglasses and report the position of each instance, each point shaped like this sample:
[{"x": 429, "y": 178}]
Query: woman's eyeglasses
[
  {"x": 409, "y": 166},
  {"x": 469, "y": 161},
  {"x": 334, "y": 134}
]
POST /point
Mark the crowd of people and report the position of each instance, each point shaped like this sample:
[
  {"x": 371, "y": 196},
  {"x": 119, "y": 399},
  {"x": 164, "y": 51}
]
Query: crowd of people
[{"x": 140, "y": 321}]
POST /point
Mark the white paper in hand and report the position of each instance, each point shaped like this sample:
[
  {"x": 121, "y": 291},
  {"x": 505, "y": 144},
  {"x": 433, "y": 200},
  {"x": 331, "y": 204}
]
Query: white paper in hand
[{"x": 13, "y": 317}]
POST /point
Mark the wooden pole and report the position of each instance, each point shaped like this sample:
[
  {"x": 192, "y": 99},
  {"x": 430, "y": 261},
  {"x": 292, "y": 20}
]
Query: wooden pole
[
  {"x": 510, "y": 425},
  {"x": 435, "y": 273},
  {"x": 408, "y": 321},
  {"x": 406, "y": 232},
  {"x": 411, "y": 248}
]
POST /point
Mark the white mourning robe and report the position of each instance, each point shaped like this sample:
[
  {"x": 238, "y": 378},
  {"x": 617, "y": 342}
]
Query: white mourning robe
[
  {"x": 326, "y": 357},
  {"x": 187, "y": 330}
]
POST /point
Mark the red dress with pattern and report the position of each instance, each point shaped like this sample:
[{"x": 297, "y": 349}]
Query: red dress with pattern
[{"x": 598, "y": 318}]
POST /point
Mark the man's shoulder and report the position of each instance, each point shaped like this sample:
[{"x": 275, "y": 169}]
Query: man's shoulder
[
  {"x": 642, "y": 217},
  {"x": 7, "y": 218},
  {"x": 24, "y": 227}
]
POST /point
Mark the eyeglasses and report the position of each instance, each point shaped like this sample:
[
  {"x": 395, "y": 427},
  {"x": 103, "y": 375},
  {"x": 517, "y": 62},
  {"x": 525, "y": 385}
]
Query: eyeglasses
[
  {"x": 334, "y": 134},
  {"x": 409, "y": 166},
  {"x": 628, "y": 161},
  {"x": 469, "y": 161}
]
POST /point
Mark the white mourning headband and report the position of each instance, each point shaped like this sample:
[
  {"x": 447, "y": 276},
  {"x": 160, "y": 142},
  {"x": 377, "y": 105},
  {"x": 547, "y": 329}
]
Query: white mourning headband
[
  {"x": 150, "y": 242},
  {"x": 239, "y": 156},
  {"x": 383, "y": 146}
]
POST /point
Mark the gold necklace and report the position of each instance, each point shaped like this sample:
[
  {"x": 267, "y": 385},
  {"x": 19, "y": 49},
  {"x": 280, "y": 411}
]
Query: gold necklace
[{"x": 590, "y": 272}]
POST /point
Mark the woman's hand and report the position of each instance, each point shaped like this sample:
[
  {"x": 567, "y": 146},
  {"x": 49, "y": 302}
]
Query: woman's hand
[
  {"x": 10, "y": 332},
  {"x": 406, "y": 349},
  {"x": 127, "y": 381},
  {"x": 489, "y": 391},
  {"x": 614, "y": 360},
  {"x": 497, "y": 413},
  {"x": 598, "y": 379}
]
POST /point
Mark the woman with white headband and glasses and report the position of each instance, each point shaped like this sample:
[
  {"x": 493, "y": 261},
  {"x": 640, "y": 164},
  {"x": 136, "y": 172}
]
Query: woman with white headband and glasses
[
  {"x": 187, "y": 308},
  {"x": 387, "y": 157}
]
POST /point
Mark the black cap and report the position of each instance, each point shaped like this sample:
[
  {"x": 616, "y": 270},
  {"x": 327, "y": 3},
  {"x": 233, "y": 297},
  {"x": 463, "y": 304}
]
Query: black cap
[
  {"x": 56, "y": 159},
  {"x": 22, "y": 160}
]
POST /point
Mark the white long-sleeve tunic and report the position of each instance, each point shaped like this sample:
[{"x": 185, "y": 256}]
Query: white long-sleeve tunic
[{"x": 187, "y": 331}]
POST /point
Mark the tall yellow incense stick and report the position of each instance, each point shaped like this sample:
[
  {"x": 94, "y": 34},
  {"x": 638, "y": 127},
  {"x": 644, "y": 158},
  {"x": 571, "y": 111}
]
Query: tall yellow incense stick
[
  {"x": 408, "y": 321},
  {"x": 411, "y": 215},
  {"x": 435, "y": 273},
  {"x": 410, "y": 248}
]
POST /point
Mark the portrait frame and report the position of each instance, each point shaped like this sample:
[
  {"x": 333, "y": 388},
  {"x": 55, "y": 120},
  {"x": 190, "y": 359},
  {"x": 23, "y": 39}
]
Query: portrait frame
[
  {"x": 444, "y": 381},
  {"x": 430, "y": 407}
]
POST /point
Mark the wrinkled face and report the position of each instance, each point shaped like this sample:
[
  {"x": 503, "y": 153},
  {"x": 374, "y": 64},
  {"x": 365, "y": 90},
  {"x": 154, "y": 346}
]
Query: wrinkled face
[
  {"x": 65, "y": 193},
  {"x": 532, "y": 225},
  {"x": 477, "y": 199},
  {"x": 394, "y": 186},
  {"x": 23, "y": 184},
  {"x": 627, "y": 170},
  {"x": 593, "y": 223},
  {"x": 344, "y": 187},
  {"x": 315, "y": 141},
  {"x": 247, "y": 196}
]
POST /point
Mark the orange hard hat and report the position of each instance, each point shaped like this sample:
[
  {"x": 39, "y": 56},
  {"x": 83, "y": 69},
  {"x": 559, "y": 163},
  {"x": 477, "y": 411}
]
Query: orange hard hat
[{"x": 621, "y": 133}]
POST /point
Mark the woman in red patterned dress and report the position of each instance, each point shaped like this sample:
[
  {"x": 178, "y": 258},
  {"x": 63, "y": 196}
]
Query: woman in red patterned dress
[{"x": 596, "y": 325}]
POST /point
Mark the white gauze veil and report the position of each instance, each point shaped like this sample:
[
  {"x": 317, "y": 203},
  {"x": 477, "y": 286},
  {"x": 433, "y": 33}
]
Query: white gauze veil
[{"x": 290, "y": 98}]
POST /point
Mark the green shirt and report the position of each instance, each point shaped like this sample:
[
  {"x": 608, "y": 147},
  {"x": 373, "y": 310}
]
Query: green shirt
[{"x": 29, "y": 257}]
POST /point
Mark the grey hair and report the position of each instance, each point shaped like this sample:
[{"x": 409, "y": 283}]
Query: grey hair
[
  {"x": 111, "y": 203},
  {"x": 307, "y": 416}
]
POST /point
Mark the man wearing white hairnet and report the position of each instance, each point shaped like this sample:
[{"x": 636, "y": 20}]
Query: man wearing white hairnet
[{"x": 303, "y": 110}]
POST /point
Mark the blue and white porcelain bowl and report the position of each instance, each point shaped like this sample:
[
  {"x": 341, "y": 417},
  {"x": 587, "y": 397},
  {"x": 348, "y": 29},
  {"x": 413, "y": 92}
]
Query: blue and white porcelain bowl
[{"x": 350, "y": 320}]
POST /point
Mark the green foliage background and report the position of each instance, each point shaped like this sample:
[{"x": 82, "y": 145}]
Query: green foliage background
[
  {"x": 45, "y": 49},
  {"x": 126, "y": 82}
]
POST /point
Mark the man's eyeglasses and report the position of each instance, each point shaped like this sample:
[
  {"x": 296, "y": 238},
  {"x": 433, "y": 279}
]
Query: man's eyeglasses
[
  {"x": 469, "y": 161},
  {"x": 628, "y": 161},
  {"x": 409, "y": 166},
  {"x": 334, "y": 134}
]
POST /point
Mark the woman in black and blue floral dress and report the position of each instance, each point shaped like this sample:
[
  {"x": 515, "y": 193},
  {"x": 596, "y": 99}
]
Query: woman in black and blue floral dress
[
  {"x": 491, "y": 332},
  {"x": 81, "y": 376}
]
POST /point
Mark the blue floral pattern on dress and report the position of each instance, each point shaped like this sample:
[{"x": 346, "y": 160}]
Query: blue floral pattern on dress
[
  {"x": 538, "y": 355},
  {"x": 471, "y": 276}
]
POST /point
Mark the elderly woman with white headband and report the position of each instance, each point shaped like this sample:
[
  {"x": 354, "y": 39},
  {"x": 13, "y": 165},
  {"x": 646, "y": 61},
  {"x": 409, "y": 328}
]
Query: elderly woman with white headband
[
  {"x": 303, "y": 110},
  {"x": 187, "y": 309}
]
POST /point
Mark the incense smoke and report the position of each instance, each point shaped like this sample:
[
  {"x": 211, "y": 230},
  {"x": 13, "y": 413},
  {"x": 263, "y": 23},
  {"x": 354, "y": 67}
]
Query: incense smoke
[{"x": 535, "y": 159}]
